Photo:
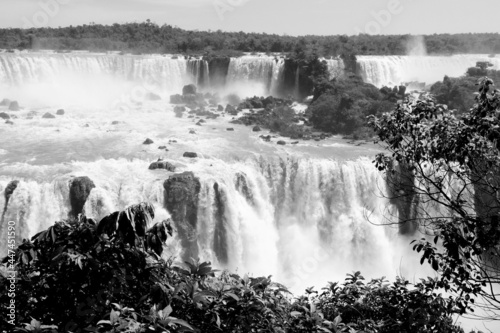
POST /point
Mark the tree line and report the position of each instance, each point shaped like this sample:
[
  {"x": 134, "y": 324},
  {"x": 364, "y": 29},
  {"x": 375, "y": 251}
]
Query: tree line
[{"x": 148, "y": 37}]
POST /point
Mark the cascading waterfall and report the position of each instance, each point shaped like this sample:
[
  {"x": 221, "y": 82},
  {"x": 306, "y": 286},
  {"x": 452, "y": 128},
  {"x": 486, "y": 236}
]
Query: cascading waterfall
[
  {"x": 264, "y": 215},
  {"x": 336, "y": 67},
  {"x": 261, "y": 75},
  {"x": 198, "y": 68},
  {"x": 163, "y": 72},
  {"x": 394, "y": 70}
]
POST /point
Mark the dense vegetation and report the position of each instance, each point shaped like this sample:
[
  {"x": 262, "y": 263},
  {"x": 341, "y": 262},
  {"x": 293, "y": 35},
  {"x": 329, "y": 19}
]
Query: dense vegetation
[
  {"x": 451, "y": 164},
  {"x": 340, "y": 106},
  {"x": 109, "y": 277},
  {"x": 148, "y": 37},
  {"x": 457, "y": 93}
]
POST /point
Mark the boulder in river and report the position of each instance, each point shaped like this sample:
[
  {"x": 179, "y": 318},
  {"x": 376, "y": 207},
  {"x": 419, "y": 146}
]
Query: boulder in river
[
  {"x": 48, "y": 115},
  {"x": 266, "y": 138},
  {"x": 190, "y": 89},
  {"x": 256, "y": 129},
  {"x": 176, "y": 99},
  {"x": 190, "y": 155},
  {"x": 5, "y": 102},
  {"x": 4, "y": 115},
  {"x": 281, "y": 142},
  {"x": 79, "y": 191},
  {"x": 162, "y": 165},
  {"x": 14, "y": 106},
  {"x": 60, "y": 112},
  {"x": 148, "y": 141}
]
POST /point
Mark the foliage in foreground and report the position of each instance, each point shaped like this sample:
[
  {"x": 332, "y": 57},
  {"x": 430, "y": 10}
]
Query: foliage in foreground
[
  {"x": 452, "y": 162},
  {"x": 109, "y": 277}
]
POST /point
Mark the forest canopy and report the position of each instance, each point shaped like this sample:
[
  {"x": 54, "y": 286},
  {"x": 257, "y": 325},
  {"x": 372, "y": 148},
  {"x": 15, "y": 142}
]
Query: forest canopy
[{"x": 148, "y": 37}]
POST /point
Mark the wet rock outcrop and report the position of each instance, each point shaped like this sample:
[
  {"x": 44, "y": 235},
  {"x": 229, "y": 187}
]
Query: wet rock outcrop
[
  {"x": 79, "y": 191},
  {"x": 9, "y": 190},
  {"x": 220, "y": 233},
  {"x": 181, "y": 200},
  {"x": 402, "y": 194},
  {"x": 162, "y": 165}
]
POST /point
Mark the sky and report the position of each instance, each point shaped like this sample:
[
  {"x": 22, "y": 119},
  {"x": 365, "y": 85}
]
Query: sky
[{"x": 291, "y": 17}]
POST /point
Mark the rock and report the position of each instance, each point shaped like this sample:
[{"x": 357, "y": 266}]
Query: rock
[
  {"x": 162, "y": 147},
  {"x": 192, "y": 132},
  {"x": 79, "y": 191},
  {"x": 256, "y": 129},
  {"x": 9, "y": 190},
  {"x": 48, "y": 115},
  {"x": 190, "y": 155},
  {"x": 4, "y": 115},
  {"x": 9, "y": 122},
  {"x": 220, "y": 108},
  {"x": 230, "y": 129},
  {"x": 181, "y": 200},
  {"x": 281, "y": 142},
  {"x": 176, "y": 99},
  {"x": 295, "y": 142},
  {"x": 179, "y": 108},
  {"x": 172, "y": 141},
  {"x": 266, "y": 138},
  {"x": 231, "y": 110},
  {"x": 148, "y": 141},
  {"x": 162, "y": 165},
  {"x": 5, "y": 102},
  {"x": 115, "y": 122},
  {"x": 190, "y": 89},
  {"x": 14, "y": 106},
  {"x": 198, "y": 123},
  {"x": 233, "y": 99},
  {"x": 60, "y": 112},
  {"x": 152, "y": 97}
]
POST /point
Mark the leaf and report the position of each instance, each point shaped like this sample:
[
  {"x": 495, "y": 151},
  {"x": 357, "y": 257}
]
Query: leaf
[
  {"x": 173, "y": 320},
  {"x": 114, "y": 316},
  {"x": 236, "y": 298},
  {"x": 167, "y": 311}
]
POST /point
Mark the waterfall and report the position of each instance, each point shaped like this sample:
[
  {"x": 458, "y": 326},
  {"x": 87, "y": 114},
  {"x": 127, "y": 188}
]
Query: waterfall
[
  {"x": 394, "y": 70},
  {"x": 163, "y": 72},
  {"x": 198, "y": 68},
  {"x": 336, "y": 66},
  {"x": 257, "y": 74},
  {"x": 297, "y": 219}
]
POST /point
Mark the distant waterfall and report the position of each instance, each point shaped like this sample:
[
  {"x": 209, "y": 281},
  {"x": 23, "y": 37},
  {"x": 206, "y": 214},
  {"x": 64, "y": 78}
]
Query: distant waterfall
[
  {"x": 199, "y": 71},
  {"x": 263, "y": 71},
  {"x": 394, "y": 70},
  {"x": 164, "y": 72},
  {"x": 335, "y": 67}
]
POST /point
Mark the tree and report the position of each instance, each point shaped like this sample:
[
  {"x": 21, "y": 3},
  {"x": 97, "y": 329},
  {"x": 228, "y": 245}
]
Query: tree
[{"x": 447, "y": 168}]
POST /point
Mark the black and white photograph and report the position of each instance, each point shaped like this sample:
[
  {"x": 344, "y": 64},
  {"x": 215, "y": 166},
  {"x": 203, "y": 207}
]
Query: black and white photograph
[{"x": 249, "y": 166}]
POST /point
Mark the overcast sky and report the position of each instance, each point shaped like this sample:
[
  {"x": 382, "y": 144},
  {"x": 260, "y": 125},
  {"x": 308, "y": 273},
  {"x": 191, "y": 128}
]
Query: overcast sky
[{"x": 293, "y": 17}]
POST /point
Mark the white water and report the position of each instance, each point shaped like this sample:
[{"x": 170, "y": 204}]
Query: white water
[
  {"x": 336, "y": 67},
  {"x": 256, "y": 75},
  {"x": 394, "y": 70}
]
